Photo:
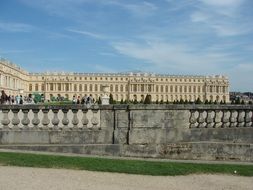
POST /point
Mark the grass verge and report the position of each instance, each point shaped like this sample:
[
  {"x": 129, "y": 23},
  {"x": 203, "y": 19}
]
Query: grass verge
[{"x": 121, "y": 166}]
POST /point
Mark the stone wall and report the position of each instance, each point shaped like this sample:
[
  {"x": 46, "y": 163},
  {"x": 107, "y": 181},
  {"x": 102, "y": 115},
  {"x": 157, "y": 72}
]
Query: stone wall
[{"x": 209, "y": 132}]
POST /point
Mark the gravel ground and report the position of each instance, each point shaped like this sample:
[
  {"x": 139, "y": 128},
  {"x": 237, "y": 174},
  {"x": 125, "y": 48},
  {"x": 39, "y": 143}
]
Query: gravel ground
[{"x": 23, "y": 178}]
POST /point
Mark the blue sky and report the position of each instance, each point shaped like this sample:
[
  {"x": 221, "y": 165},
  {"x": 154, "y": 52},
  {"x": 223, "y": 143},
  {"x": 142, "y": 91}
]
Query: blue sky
[{"x": 203, "y": 37}]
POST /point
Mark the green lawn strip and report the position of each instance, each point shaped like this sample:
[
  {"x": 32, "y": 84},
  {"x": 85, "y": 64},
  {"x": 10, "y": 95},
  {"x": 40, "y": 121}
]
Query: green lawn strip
[{"x": 121, "y": 166}]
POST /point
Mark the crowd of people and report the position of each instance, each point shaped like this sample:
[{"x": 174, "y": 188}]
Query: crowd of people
[
  {"x": 15, "y": 100},
  {"x": 88, "y": 100},
  {"x": 19, "y": 99}
]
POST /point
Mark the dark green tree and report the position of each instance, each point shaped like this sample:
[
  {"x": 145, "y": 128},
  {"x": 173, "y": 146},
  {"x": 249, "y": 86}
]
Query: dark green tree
[
  {"x": 121, "y": 101},
  {"x": 99, "y": 100},
  {"x": 161, "y": 102},
  {"x": 198, "y": 101},
  {"x": 111, "y": 99},
  {"x": 147, "y": 99}
]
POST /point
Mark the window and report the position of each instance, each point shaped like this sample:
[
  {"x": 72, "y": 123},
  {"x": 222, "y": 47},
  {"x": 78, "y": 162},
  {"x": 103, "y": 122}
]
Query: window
[
  {"x": 116, "y": 88},
  {"x": 121, "y": 87},
  {"x": 166, "y": 89},
  {"x": 42, "y": 87},
  {"x": 80, "y": 87},
  {"x": 75, "y": 87},
  {"x": 36, "y": 87},
  {"x": 30, "y": 87},
  {"x": 96, "y": 87},
  {"x": 51, "y": 86},
  {"x": 85, "y": 87},
  {"x": 91, "y": 89},
  {"x": 161, "y": 88},
  {"x": 59, "y": 87}
]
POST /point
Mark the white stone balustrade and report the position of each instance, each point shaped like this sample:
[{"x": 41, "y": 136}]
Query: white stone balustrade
[
  {"x": 37, "y": 117},
  {"x": 201, "y": 118}
]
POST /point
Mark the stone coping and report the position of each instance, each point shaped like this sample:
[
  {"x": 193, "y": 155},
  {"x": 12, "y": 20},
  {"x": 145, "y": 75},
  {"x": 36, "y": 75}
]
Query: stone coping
[{"x": 129, "y": 107}]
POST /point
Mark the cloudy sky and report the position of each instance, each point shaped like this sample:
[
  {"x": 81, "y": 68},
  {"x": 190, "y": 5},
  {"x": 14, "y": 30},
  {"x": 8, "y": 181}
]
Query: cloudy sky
[{"x": 203, "y": 37}]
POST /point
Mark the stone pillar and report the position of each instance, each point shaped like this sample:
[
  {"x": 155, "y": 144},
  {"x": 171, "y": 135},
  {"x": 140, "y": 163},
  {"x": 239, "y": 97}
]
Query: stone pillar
[
  {"x": 45, "y": 120},
  {"x": 94, "y": 119},
  {"x": 85, "y": 120},
  {"x": 75, "y": 120},
  {"x": 65, "y": 120},
  {"x": 55, "y": 120},
  {"x": 35, "y": 120},
  {"x": 25, "y": 121},
  {"x": 5, "y": 121},
  {"x": 15, "y": 120}
]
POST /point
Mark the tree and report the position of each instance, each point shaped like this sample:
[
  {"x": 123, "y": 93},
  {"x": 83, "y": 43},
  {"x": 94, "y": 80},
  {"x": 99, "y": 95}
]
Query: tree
[
  {"x": 167, "y": 102},
  {"x": 157, "y": 102},
  {"x": 111, "y": 99},
  {"x": 99, "y": 100},
  {"x": 181, "y": 101},
  {"x": 121, "y": 101},
  {"x": 206, "y": 102},
  {"x": 242, "y": 102},
  {"x": 135, "y": 101},
  {"x": 147, "y": 99},
  {"x": 237, "y": 100},
  {"x": 198, "y": 101},
  {"x": 161, "y": 102},
  {"x": 186, "y": 101},
  {"x": 250, "y": 102}
]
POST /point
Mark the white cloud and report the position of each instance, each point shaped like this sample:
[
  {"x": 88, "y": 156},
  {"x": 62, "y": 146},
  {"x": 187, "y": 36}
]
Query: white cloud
[
  {"x": 222, "y": 16},
  {"x": 15, "y": 27},
  {"x": 223, "y": 3},
  {"x": 178, "y": 57},
  {"x": 86, "y": 33}
]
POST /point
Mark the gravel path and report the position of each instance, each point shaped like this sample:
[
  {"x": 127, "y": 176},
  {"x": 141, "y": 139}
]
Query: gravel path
[{"x": 23, "y": 178}]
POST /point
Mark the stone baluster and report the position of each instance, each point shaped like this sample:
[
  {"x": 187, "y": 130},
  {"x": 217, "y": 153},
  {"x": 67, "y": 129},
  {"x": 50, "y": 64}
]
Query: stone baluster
[
  {"x": 94, "y": 119},
  {"x": 210, "y": 119},
  {"x": 35, "y": 120},
  {"x": 15, "y": 120},
  {"x": 65, "y": 120},
  {"x": 248, "y": 116},
  {"x": 75, "y": 120},
  {"x": 241, "y": 118},
  {"x": 233, "y": 118},
  {"x": 201, "y": 119},
  {"x": 45, "y": 120},
  {"x": 5, "y": 121},
  {"x": 217, "y": 119},
  {"x": 25, "y": 121},
  {"x": 225, "y": 119},
  {"x": 193, "y": 119},
  {"x": 55, "y": 120},
  {"x": 85, "y": 120}
]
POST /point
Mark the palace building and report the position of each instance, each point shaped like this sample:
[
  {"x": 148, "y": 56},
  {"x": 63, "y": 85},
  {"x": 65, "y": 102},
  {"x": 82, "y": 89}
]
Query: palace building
[{"x": 123, "y": 86}]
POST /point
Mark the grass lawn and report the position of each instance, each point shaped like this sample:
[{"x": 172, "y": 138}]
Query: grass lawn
[{"x": 120, "y": 166}]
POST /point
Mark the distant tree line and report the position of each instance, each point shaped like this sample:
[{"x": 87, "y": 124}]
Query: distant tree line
[{"x": 147, "y": 100}]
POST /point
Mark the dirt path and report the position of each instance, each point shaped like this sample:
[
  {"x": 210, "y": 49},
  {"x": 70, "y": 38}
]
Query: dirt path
[{"x": 20, "y": 178}]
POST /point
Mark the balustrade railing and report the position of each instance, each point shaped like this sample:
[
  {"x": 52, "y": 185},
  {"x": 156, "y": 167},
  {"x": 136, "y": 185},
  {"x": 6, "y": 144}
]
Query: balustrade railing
[
  {"x": 220, "y": 118},
  {"x": 36, "y": 117}
]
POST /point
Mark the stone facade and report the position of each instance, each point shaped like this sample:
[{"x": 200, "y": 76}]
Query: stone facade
[
  {"x": 123, "y": 86},
  {"x": 207, "y": 132}
]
